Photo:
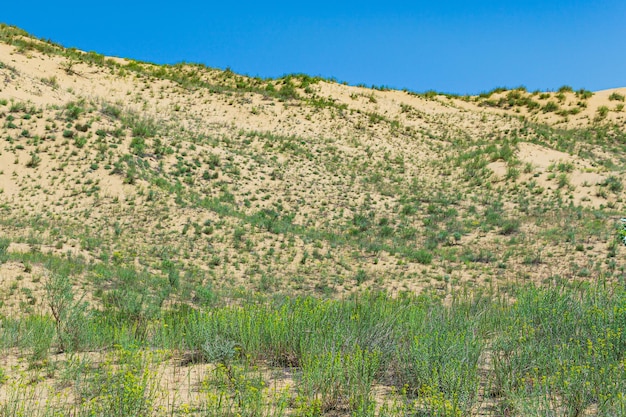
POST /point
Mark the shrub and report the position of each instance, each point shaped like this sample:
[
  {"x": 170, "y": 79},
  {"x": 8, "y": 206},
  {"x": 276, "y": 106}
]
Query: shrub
[
  {"x": 4, "y": 246},
  {"x": 127, "y": 389},
  {"x": 80, "y": 141},
  {"x": 82, "y": 127},
  {"x": 288, "y": 91},
  {"x": 111, "y": 111},
  {"x": 614, "y": 184},
  {"x": 141, "y": 127},
  {"x": 34, "y": 161},
  {"x": 17, "y": 107},
  {"x": 360, "y": 277},
  {"x": 584, "y": 94},
  {"x": 138, "y": 146},
  {"x": 550, "y": 106},
  {"x": 602, "y": 112},
  {"x": 70, "y": 315},
  {"x": 420, "y": 256},
  {"x": 74, "y": 109},
  {"x": 510, "y": 226},
  {"x": 361, "y": 222}
]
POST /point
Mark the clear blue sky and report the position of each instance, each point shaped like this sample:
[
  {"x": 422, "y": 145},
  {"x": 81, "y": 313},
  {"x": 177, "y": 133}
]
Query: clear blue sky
[{"x": 451, "y": 46}]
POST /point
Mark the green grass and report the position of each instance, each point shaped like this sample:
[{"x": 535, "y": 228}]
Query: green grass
[{"x": 557, "y": 348}]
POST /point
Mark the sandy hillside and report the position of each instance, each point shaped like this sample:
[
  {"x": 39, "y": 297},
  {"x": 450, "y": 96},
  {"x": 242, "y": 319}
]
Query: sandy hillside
[
  {"x": 210, "y": 179},
  {"x": 181, "y": 240}
]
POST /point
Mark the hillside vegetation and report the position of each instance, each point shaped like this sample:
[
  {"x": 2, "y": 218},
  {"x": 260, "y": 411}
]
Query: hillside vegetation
[{"x": 182, "y": 240}]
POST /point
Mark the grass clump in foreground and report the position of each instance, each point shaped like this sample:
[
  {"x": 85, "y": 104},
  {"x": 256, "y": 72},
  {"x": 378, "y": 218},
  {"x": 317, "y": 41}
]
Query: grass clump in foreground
[{"x": 554, "y": 350}]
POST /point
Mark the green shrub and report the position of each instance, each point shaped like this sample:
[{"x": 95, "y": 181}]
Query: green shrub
[
  {"x": 34, "y": 161},
  {"x": 144, "y": 128},
  {"x": 288, "y": 91},
  {"x": 17, "y": 107},
  {"x": 614, "y": 184},
  {"x": 138, "y": 146},
  {"x": 340, "y": 381},
  {"x": 602, "y": 112},
  {"x": 550, "y": 106},
  {"x": 360, "y": 277},
  {"x": 420, "y": 256},
  {"x": 70, "y": 315},
  {"x": 111, "y": 111},
  {"x": 82, "y": 127},
  {"x": 74, "y": 109},
  {"x": 127, "y": 389},
  {"x": 510, "y": 226},
  {"x": 4, "y": 246},
  {"x": 80, "y": 141},
  {"x": 584, "y": 94}
]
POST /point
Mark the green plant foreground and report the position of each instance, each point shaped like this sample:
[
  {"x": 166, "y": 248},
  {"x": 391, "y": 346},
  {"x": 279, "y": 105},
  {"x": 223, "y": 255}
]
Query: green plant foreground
[{"x": 552, "y": 351}]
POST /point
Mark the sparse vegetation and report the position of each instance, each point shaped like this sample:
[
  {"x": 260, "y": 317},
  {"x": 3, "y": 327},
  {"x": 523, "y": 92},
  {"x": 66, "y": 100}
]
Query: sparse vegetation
[
  {"x": 190, "y": 241},
  {"x": 602, "y": 112},
  {"x": 550, "y": 106}
]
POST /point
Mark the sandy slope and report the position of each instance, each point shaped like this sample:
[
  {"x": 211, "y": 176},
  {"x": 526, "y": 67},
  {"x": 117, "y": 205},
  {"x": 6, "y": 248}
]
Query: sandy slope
[{"x": 326, "y": 157}]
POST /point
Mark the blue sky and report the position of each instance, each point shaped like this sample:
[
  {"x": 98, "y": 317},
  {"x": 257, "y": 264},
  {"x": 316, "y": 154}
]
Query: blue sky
[{"x": 450, "y": 46}]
